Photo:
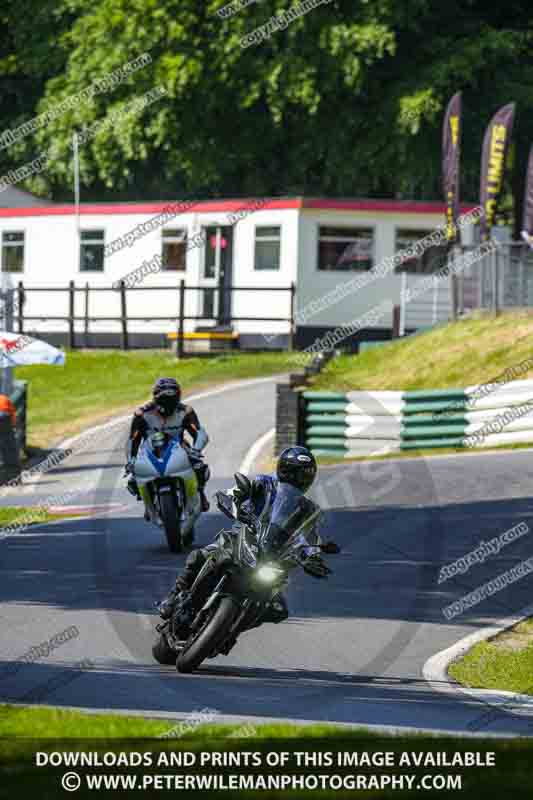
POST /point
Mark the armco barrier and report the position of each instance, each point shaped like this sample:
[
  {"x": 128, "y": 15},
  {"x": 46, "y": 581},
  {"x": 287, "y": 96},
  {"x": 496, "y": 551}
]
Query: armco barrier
[
  {"x": 352, "y": 424},
  {"x": 368, "y": 423}
]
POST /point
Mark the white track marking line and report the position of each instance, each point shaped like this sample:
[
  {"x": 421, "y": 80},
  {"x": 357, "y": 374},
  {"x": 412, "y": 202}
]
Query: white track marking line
[
  {"x": 71, "y": 441},
  {"x": 435, "y": 670},
  {"x": 253, "y": 453}
]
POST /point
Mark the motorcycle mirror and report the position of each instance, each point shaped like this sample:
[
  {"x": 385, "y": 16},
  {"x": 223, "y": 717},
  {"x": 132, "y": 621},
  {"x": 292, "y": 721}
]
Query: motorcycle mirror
[
  {"x": 243, "y": 484},
  {"x": 224, "y": 504}
]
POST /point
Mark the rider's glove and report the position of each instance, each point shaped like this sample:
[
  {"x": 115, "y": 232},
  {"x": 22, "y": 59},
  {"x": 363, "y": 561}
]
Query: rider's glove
[
  {"x": 245, "y": 511},
  {"x": 238, "y": 497},
  {"x": 316, "y": 567}
]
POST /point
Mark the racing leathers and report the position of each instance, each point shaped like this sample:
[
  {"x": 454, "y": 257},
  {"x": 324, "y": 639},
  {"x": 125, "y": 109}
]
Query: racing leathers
[{"x": 147, "y": 420}]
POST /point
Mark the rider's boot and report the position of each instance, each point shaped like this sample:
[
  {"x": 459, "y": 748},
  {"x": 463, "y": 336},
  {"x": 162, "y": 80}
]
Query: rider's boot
[
  {"x": 149, "y": 510},
  {"x": 181, "y": 591},
  {"x": 175, "y": 600},
  {"x": 202, "y": 476},
  {"x": 204, "y": 502}
]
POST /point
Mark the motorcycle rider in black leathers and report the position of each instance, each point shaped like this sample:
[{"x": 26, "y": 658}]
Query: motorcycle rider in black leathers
[
  {"x": 167, "y": 413},
  {"x": 297, "y": 467}
]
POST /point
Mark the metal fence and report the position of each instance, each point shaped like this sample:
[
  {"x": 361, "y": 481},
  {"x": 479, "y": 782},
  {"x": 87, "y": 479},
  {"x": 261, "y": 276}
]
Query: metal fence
[
  {"x": 499, "y": 280},
  {"x": 84, "y": 323}
]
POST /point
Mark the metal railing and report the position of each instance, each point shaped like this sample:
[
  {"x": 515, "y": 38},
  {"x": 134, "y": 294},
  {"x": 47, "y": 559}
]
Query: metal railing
[
  {"x": 180, "y": 317},
  {"x": 501, "y": 279}
]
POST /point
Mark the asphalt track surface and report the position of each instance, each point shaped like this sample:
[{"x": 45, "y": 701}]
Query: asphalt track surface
[{"x": 354, "y": 647}]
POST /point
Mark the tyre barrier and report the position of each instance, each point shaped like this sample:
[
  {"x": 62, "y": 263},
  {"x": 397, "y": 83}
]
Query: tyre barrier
[{"x": 371, "y": 423}]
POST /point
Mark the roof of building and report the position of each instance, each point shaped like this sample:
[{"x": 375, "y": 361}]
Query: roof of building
[
  {"x": 11, "y": 197},
  {"x": 227, "y": 205}
]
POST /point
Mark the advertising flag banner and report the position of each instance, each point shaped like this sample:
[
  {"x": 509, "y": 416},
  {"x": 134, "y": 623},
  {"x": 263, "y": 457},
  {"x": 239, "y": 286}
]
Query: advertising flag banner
[
  {"x": 495, "y": 148},
  {"x": 451, "y": 149}
]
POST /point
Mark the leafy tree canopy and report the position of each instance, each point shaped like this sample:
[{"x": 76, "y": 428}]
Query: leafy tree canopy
[{"x": 348, "y": 99}]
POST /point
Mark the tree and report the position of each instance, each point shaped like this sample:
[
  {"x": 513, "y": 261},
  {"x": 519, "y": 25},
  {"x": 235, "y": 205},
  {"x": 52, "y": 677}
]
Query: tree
[{"x": 348, "y": 99}]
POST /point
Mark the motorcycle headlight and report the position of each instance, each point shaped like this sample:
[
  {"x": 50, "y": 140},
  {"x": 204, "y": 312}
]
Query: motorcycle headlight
[{"x": 268, "y": 574}]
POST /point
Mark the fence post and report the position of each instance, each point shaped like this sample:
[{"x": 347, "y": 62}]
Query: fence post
[
  {"x": 71, "y": 338},
  {"x": 292, "y": 326},
  {"x": 22, "y": 300},
  {"x": 395, "y": 321},
  {"x": 403, "y": 303},
  {"x": 180, "y": 350},
  {"x": 454, "y": 289},
  {"x": 123, "y": 316},
  {"x": 521, "y": 300},
  {"x": 435, "y": 305},
  {"x": 496, "y": 283},
  {"x": 86, "y": 321},
  {"x": 460, "y": 281}
]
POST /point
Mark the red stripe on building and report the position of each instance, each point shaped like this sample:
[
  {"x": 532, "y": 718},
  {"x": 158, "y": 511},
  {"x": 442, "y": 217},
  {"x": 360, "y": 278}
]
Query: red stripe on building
[
  {"x": 149, "y": 208},
  {"x": 391, "y": 206}
]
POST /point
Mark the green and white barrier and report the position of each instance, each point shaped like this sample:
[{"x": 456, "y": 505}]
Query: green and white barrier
[
  {"x": 371, "y": 423},
  {"x": 353, "y": 423}
]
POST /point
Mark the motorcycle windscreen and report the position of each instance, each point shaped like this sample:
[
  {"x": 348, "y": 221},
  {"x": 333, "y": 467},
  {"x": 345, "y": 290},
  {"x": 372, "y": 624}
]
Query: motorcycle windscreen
[{"x": 292, "y": 515}]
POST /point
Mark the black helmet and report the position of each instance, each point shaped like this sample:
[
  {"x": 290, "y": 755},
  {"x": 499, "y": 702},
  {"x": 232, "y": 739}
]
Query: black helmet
[
  {"x": 167, "y": 395},
  {"x": 297, "y": 466}
]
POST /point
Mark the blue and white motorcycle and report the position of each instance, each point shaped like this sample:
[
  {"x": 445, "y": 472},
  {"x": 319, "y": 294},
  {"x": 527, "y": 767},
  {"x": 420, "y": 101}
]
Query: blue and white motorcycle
[{"x": 168, "y": 485}]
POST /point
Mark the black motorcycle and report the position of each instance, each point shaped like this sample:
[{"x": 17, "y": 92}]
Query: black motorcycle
[{"x": 242, "y": 574}]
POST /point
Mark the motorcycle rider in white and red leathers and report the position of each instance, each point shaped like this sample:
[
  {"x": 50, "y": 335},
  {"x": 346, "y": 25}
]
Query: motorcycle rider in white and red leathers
[{"x": 168, "y": 414}]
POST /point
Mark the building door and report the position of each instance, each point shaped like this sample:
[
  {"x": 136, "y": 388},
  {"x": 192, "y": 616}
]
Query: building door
[{"x": 218, "y": 273}]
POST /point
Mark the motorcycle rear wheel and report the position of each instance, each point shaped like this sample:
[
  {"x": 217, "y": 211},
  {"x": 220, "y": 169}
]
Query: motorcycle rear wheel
[
  {"x": 212, "y": 635},
  {"x": 171, "y": 522}
]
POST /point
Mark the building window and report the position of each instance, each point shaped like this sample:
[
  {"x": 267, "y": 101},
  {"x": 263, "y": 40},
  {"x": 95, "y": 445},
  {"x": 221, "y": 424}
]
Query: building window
[
  {"x": 91, "y": 251},
  {"x": 12, "y": 251},
  {"x": 267, "y": 247},
  {"x": 174, "y": 249},
  {"x": 345, "y": 249},
  {"x": 427, "y": 262}
]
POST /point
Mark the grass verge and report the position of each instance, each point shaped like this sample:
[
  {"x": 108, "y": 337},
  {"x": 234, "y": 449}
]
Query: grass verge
[
  {"x": 503, "y": 663},
  {"x": 30, "y": 515},
  {"x": 94, "y": 385},
  {"x": 461, "y": 354}
]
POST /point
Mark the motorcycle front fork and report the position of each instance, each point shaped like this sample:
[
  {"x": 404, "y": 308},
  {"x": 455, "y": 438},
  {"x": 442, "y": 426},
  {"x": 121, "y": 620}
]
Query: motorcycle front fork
[
  {"x": 146, "y": 497},
  {"x": 150, "y": 506}
]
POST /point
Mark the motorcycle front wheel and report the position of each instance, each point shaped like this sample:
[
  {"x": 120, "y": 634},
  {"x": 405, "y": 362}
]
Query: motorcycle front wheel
[
  {"x": 170, "y": 518},
  {"x": 211, "y": 635}
]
